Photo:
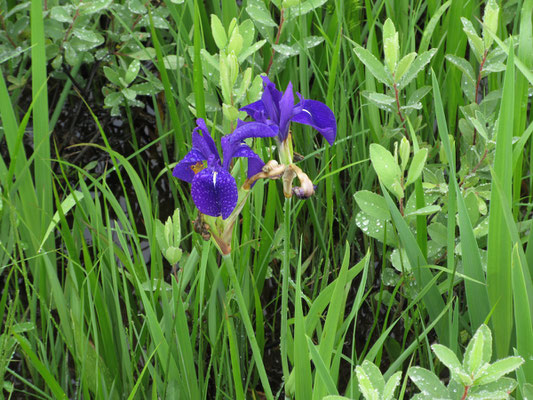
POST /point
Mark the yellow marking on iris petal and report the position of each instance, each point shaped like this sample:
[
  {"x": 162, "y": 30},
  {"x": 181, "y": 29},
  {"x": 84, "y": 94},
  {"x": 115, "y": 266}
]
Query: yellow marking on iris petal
[{"x": 197, "y": 167}]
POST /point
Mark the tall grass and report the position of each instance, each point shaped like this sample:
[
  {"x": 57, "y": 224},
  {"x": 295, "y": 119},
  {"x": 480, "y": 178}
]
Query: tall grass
[{"x": 90, "y": 308}]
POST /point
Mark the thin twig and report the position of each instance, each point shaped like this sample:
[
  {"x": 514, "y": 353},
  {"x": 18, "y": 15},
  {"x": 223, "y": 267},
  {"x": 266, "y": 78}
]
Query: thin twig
[
  {"x": 280, "y": 27},
  {"x": 477, "y": 89},
  {"x": 67, "y": 33},
  {"x": 399, "y": 110}
]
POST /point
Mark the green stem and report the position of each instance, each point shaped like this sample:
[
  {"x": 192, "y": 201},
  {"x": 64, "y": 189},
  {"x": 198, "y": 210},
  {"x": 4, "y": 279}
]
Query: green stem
[
  {"x": 285, "y": 288},
  {"x": 228, "y": 262}
]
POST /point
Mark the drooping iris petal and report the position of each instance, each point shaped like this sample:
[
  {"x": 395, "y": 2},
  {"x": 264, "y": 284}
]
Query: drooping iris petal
[
  {"x": 214, "y": 192},
  {"x": 256, "y": 110},
  {"x": 247, "y": 130},
  {"x": 255, "y": 164},
  {"x": 233, "y": 145},
  {"x": 286, "y": 108},
  {"x": 319, "y": 116},
  {"x": 183, "y": 169},
  {"x": 204, "y": 142}
]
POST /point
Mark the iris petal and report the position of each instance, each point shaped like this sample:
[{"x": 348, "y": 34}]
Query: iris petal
[
  {"x": 214, "y": 192},
  {"x": 271, "y": 98},
  {"x": 286, "y": 107},
  {"x": 319, "y": 116},
  {"x": 204, "y": 142},
  {"x": 256, "y": 110},
  {"x": 183, "y": 169},
  {"x": 233, "y": 143},
  {"x": 271, "y": 87},
  {"x": 255, "y": 164},
  {"x": 247, "y": 130}
]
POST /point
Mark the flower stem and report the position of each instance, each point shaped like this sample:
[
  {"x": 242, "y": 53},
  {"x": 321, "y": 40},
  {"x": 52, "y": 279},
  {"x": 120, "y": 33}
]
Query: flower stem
[
  {"x": 285, "y": 288},
  {"x": 228, "y": 262}
]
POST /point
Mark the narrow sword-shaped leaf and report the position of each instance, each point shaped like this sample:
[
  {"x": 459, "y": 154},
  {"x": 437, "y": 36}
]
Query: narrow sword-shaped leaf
[
  {"x": 477, "y": 296},
  {"x": 302, "y": 363},
  {"x": 432, "y": 300},
  {"x": 499, "y": 240},
  {"x": 524, "y": 322}
]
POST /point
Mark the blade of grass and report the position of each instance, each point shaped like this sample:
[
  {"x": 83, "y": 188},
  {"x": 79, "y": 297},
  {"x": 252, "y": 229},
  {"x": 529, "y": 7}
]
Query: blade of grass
[
  {"x": 521, "y": 93},
  {"x": 519, "y": 146},
  {"x": 331, "y": 325},
  {"x": 432, "y": 300},
  {"x": 477, "y": 295},
  {"x": 266, "y": 233},
  {"x": 234, "y": 355},
  {"x": 322, "y": 371},
  {"x": 430, "y": 27},
  {"x": 324, "y": 297},
  {"x": 378, "y": 344},
  {"x": 421, "y": 221},
  {"x": 167, "y": 362},
  {"x": 141, "y": 375},
  {"x": 499, "y": 240},
  {"x": 513, "y": 231},
  {"x": 176, "y": 125},
  {"x": 199, "y": 96},
  {"x": 522, "y": 67},
  {"x": 51, "y": 382},
  {"x": 228, "y": 262},
  {"x": 302, "y": 364},
  {"x": 19, "y": 163},
  {"x": 523, "y": 321},
  {"x": 396, "y": 364},
  {"x": 352, "y": 389},
  {"x": 455, "y": 44},
  {"x": 43, "y": 177},
  {"x": 286, "y": 268},
  {"x": 185, "y": 347}
]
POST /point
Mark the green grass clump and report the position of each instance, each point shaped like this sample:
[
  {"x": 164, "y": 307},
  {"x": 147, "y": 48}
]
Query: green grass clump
[{"x": 419, "y": 230}]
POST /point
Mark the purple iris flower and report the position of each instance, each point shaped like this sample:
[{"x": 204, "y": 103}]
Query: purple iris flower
[
  {"x": 213, "y": 188},
  {"x": 277, "y": 109}
]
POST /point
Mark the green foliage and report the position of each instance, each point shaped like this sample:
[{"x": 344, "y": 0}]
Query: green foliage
[
  {"x": 420, "y": 224},
  {"x": 235, "y": 46},
  {"x": 474, "y": 378},
  {"x": 396, "y": 75},
  {"x": 372, "y": 384},
  {"x": 169, "y": 237},
  {"x": 387, "y": 168}
]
